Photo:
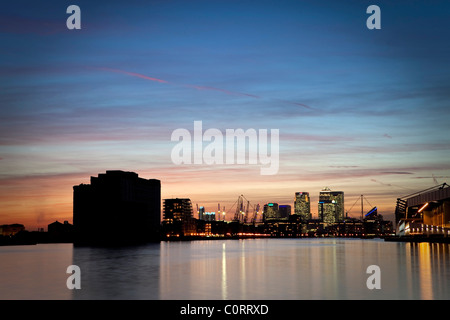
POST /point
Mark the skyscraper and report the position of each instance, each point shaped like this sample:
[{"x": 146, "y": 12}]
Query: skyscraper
[
  {"x": 117, "y": 208},
  {"x": 284, "y": 211},
  {"x": 302, "y": 205},
  {"x": 201, "y": 212},
  {"x": 331, "y": 206},
  {"x": 271, "y": 211}
]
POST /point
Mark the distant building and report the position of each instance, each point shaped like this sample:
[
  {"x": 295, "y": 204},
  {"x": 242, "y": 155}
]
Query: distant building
[
  {"x": 209, "y": 216},
  {"x": 284, "y": 211},
  {"x": 331, "y": 206},
  {"x": 118, "y": 207},
  {"x": 302, "y": 205},
  {"x": 374, "y": 224},
  {"x": 178, "y": 217},
  {"x": 58, "y": 227},
  {"x": 206, "y": 216},
  {"x": 271, "y": 211},
  {"x": 60, "y": 232},
  {"x": 9, "y": 230},
  {"x": 178, "y": 209},
  {"x": 201, "y": 212}
]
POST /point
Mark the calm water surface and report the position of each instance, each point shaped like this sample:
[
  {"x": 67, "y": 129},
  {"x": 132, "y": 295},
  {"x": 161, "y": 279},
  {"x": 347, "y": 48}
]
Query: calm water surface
[{"x": 267, "y": 269}]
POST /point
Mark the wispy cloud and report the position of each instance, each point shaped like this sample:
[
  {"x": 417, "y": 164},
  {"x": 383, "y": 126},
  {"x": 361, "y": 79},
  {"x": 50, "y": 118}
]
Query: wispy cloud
[
  {"x": 388, "y": 184},
  {"x": 133, "y": 74},
  {"x": 396, "y": 172},
  {"x": 345, "y": 167},
  {"x": 197, "y": 87}
]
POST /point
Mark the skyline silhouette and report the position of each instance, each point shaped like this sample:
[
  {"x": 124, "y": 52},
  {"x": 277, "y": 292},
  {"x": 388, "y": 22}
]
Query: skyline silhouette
[{"x": 358, "y": 110}]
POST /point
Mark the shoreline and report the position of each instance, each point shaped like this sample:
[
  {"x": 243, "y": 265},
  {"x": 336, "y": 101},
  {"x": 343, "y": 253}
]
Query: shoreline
[{"x": 388, "y": 238}]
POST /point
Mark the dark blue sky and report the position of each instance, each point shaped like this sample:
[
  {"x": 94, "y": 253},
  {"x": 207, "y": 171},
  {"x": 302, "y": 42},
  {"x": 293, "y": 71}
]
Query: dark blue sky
[{"x": 74, "y": 103}]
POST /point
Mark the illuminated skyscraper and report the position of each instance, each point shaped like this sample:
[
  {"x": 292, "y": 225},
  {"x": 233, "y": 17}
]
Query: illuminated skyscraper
[
  {"x": 302, "y": 205},
  {"x": 271, "y": 211},
  {"x": 331, "y": 206}
]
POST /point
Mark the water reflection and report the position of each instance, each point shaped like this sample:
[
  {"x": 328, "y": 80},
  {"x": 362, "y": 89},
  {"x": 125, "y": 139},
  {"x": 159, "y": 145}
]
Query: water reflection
[
  {"x": 118, "y": 273},
  {"x": 428, "y": 270},
  {"x": 285, "y": 269},
  {"x": 313, "y": 269},
  {"x": 224, "y": 273},
  {"x": 35, "y": 272}
]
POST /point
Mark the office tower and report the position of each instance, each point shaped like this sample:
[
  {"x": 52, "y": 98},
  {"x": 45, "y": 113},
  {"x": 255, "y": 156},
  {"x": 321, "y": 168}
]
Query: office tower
[
  {"x": 201, "y": 212},
  {"x": 117, "y": 208},
  {"x": 302, "y": 206},
  {"x": 271, "y": 211},
  {"x": 331, "y": 206},
  {"x": 284, "y": 211}
]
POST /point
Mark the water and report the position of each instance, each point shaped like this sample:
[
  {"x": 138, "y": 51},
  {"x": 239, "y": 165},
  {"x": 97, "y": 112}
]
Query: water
[{"x": 257, "y": 269}]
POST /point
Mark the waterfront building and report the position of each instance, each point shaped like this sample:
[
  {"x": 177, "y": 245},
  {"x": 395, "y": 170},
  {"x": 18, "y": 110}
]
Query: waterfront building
[
  {"x": 271, "y": 211},
  {"x": 117, "y": 207},
  {"x": 302, "y": 205},
  {"x": 178, "y": 209},
  {"x": 331, "y": 206},
  {"x": 178, "y": 217},
  {"x": 8, "y": 230},
  {"x": 426, "y": 212}
]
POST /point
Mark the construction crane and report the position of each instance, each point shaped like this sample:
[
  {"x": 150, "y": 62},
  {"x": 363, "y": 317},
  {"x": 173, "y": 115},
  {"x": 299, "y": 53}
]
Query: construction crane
[
  {"x": 255, "y": 214},
  {"x": 245, "y": 212},
  {"x": 242, "y": 211},
  {"x": 239, "y": 204}
]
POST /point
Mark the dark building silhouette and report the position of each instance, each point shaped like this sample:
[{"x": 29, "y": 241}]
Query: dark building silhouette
[
  {"x": 284, "y": 211},
  {"x": 58, "y": 227},
  {"x": 60, "y": 232},
  {"x": 11, "y": 229},
  {"x": 117, "y": 208}
]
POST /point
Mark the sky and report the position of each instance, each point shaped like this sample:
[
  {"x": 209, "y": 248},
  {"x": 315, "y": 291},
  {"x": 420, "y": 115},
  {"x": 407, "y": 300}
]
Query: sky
[{"x": 358, "y": 110}]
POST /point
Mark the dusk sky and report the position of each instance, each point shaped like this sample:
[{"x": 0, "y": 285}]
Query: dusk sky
[{"x": 358, "y": 110}]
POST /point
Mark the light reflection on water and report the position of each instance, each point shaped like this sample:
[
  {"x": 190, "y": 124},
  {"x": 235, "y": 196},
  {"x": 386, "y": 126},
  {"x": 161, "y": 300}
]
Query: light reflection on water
[{"x": 266, "y": 269}]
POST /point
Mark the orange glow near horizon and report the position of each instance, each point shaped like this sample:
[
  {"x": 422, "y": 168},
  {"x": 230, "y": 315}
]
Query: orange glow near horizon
[{"x": 36, "y": 202}]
